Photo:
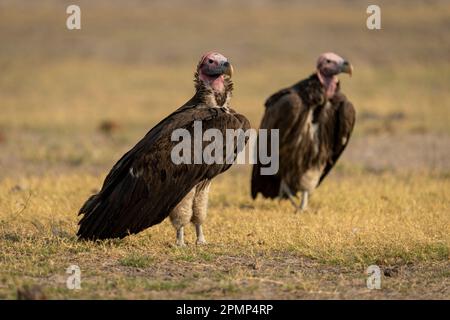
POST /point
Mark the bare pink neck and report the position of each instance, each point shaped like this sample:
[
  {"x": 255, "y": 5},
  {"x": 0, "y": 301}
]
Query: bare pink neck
[
  {"x": 216, "y": 83},
  {"x": 330, "y": 84}
]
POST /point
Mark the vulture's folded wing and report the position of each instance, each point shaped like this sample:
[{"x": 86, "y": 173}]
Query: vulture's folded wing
[
  {"x": 345, "y": 121},
  {"x": 283, "y": 110},
  {"x": 145, "y": 185}
]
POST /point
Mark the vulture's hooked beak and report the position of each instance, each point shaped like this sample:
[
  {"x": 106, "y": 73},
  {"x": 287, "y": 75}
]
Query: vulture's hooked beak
[
  {"x": 227, "y": 69},
  {"x": 346, "y": 67}
]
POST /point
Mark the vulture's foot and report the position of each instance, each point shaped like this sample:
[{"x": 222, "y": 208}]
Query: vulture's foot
[
  {"x": 200, "y": 242},
  {"x": 284, "y": 189},
  {"x": 180, "y": 244},
  {"x": 200, "y": 237}
]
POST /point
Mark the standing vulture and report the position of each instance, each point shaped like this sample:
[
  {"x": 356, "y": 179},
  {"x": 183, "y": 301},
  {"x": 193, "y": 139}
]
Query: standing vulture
[
  {"x": 315, "y": 120},
  {"x": 145, "y": 185}
]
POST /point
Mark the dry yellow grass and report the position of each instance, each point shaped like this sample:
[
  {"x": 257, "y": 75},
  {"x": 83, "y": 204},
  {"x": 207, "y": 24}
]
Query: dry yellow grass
[
  {"x": 354, "y": 221},
  {"x": 132, "y": 65}
]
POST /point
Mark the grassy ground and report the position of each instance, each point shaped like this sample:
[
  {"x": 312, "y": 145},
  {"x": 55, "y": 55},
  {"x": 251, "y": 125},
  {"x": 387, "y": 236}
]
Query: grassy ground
[
  {"x": 387, "y": 202},
  {"x": 256, "y": 249}
]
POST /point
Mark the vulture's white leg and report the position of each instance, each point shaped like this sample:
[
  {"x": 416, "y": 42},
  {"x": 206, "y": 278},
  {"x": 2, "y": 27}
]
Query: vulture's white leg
[
  {"x": 200, "y": 208},
  {"x": 304, "y": 203},
  {"x": 180, "y": 237},
  {"x": 284, "y": 189},
  {"x": 200, "y": 236},
  {"x": 181, "y": 215}
]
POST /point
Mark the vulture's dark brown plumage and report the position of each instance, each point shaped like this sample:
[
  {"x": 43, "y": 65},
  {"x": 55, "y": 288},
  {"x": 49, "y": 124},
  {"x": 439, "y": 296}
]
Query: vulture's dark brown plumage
[
  {"x": 314, "y": 130},
  {"x": 145, "y": 185}
]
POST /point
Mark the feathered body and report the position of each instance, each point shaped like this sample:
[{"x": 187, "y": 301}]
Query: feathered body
[
  {"x": 314, "y": 129},
  {"x": 145, "y": 186}
]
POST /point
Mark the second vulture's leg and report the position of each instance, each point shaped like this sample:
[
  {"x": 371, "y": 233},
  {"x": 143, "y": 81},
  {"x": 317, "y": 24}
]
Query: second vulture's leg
[
  {"x": 200, "y": 208},
  {"x": 181, "y": 215},
  {"x": 284, "y": 189},
  {"x": 304, "y": 203}
]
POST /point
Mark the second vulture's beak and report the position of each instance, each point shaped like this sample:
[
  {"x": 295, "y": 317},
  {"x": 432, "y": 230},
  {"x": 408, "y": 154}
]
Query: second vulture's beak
[
  {"x": 227, "y": 69},
  {"x": 346, "y": 67}
]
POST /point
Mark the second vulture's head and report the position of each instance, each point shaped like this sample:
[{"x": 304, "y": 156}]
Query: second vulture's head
[
  {"x": 214, "y": 72},
  {"x": 329, "y": 66}
]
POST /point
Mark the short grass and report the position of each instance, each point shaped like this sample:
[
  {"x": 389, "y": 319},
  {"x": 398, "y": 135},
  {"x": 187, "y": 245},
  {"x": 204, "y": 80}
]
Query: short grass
[{"x": 354, "y": 221}]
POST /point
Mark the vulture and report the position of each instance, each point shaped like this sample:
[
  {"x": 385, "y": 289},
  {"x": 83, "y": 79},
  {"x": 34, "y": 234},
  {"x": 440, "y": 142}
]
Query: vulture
[
  {"x": 315, "y": 121},
  {"x": 146, "y": 185}
]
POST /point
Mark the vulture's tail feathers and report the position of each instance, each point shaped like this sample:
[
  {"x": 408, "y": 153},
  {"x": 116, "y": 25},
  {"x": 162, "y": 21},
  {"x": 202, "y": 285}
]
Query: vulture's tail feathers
[
  {"x": 116, "y": 214},
  {"x": 268, "y": 185},
  {"x": 94, "y": 211},
  {"x": 90, "y": 204}
]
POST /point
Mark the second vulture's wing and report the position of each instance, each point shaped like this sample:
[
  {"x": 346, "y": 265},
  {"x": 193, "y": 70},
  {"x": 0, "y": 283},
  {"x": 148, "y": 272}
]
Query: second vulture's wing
[
  {"x": 344, "y": 123},
  {"x": 283, "y": 110}
]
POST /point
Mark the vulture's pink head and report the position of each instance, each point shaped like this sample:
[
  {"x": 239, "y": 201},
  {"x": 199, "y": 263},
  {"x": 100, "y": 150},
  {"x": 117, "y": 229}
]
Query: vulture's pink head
[
  {"x": 213, "y": 69},
  {"x": 329, "y": 65}
]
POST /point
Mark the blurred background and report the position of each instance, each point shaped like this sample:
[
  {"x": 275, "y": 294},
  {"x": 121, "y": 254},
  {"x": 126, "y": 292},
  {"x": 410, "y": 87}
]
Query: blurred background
[{"x": 76, "y": 100}]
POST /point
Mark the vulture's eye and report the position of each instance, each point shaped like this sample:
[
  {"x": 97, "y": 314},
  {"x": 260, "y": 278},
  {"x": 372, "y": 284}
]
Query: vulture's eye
[{"x": 210, "y": 60}]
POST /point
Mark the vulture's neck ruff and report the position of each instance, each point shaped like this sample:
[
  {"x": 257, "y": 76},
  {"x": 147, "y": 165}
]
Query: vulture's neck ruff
[
  {"x": 330, "y": 83},
  {"x": 213, "y": 90},
  {"x": 313, "y": 92}
]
